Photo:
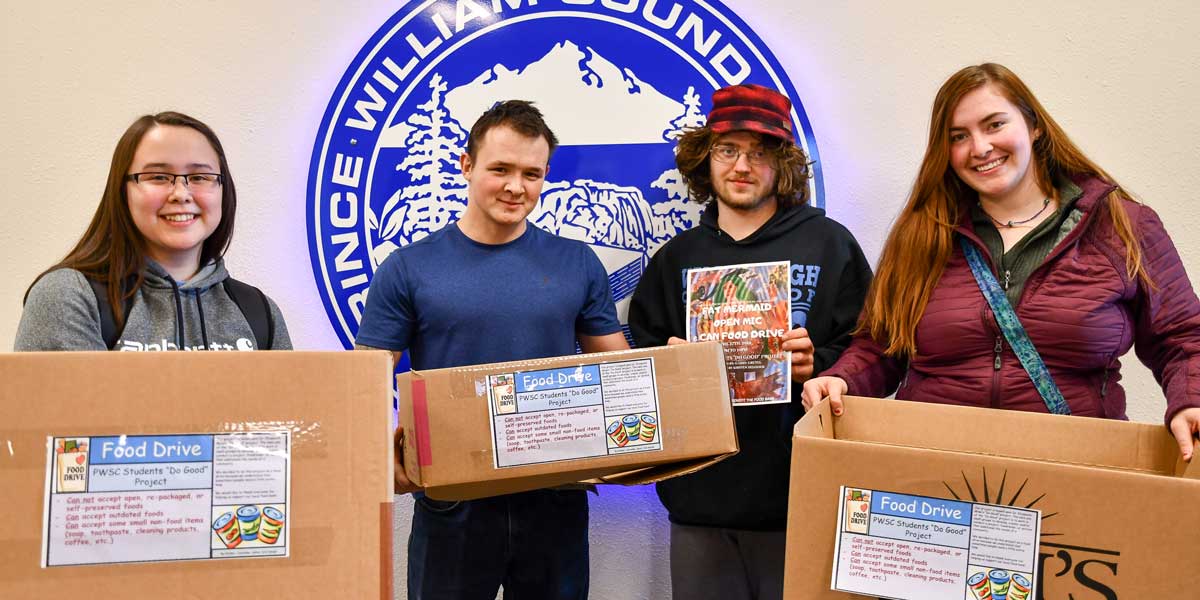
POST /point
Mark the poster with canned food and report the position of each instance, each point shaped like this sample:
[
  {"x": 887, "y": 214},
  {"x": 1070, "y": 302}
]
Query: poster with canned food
[
  {"x": 570, "y": 413},
  {"x": 746, "y": 308},
  {"x": 905, "y": 547},
  {"x": 154, "y": 498}
]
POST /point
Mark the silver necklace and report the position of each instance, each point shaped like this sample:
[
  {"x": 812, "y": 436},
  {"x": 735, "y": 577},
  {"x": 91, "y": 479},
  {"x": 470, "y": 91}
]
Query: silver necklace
[{"x": 1010, "y": 224}]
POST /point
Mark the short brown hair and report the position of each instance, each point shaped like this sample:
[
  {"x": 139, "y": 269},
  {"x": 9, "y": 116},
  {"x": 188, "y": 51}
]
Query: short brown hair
[
  {"x": 790, "y": 163},
  {"x": 520, "y": 115}
]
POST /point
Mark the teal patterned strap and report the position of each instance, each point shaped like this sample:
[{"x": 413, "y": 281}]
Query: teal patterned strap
[{"x": 1006, "y": 317}]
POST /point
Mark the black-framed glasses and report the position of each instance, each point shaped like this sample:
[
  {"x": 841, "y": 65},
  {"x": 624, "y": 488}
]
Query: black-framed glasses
[
  {"x": 729, "y": 154},
  {"x": 197, "y": 182}
]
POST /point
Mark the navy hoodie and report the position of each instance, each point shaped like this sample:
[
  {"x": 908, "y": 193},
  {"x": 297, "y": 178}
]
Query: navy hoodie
[{"x": 829, "y": 282}]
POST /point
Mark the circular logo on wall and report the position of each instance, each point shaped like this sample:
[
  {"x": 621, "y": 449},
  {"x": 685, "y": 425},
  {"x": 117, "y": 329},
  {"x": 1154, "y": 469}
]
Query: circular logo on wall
[{"x": 617, "y": 80}]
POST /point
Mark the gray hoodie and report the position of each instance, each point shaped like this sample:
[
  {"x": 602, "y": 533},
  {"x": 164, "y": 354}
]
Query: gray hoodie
[{"x": 61, "y": 313}]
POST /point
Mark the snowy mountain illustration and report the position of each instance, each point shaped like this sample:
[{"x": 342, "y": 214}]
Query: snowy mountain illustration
[
  {"x": 590, "y": 102},
  {"x": 586, "y": 99}
]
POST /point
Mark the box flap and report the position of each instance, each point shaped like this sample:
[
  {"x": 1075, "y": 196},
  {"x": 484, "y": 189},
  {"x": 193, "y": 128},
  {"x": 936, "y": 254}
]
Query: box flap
[
  {"x": 659, "y": 473},
  {"x": 1077, "y": 440}
]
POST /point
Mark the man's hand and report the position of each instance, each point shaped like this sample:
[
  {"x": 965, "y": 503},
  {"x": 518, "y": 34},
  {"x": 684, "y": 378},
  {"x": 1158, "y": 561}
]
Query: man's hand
[
  {"x": 802, "y": 349},
  {"x": 402, "y": 485}
]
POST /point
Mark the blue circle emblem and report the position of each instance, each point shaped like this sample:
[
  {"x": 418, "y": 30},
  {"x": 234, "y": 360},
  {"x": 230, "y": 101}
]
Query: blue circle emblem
[{"x": 617, "y": 80}]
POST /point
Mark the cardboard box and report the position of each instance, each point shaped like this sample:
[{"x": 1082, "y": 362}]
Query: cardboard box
[
  {"x": 630, "y": 417},
  {"x": 336, "y": 406},
  {"x": 1120, "y": 510}
]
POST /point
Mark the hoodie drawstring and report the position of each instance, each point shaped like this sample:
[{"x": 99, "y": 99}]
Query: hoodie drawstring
[
  {"x": 203, "y": 329},
  {"x": 178, "y": 315}
]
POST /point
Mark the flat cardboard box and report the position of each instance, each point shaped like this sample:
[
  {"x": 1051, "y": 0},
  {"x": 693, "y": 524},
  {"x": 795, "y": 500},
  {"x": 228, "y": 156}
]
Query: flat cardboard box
[
  {"x": 336, "y": 404},
  {"x": 455, "y": 450},
  {"x": 1120, "y": 510}
]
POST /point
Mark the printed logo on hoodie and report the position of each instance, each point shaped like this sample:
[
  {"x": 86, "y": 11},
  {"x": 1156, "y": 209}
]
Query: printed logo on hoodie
[
  {"x": 804, "y": 290},
  {"x": 241, "y": 344}
]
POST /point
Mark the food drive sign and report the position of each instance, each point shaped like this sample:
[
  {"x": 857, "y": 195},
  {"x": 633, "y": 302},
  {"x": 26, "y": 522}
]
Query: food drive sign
[
  {"x": 118, "y": 449},
  {"x": 108, "y": 454}
]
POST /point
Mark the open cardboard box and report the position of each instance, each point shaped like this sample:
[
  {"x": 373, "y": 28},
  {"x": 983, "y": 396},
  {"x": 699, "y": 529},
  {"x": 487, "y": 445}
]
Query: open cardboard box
[
  {"x": 486, "y": 430},
  {"x": 1120, "y": 509},
  {"x": 336, "y": 406}
]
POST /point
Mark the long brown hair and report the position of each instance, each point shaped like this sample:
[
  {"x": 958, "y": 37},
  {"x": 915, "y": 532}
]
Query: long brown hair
[
  {"x": 790, "y": 163},
  {"x": 112, "y": 249},
  {"x": 921, "y": 241}
]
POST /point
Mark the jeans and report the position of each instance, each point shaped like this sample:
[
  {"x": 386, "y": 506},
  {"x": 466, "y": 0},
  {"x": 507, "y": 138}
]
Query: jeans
[{"x": 535, "y": 544}]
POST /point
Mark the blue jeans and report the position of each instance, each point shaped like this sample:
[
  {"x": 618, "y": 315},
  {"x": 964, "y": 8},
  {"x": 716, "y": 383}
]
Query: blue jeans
[{"x": 535, "y": 544}]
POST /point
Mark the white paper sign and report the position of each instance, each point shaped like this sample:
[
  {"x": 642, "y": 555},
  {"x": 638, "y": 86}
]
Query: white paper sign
[
  {"x": 120, "y": 499},
  {"x": 908, "y": 547},
  {"x": 574, "y": 412}
]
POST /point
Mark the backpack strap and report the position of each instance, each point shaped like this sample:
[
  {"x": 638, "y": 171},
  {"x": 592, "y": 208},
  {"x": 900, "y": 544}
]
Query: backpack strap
[
  {"x": 256, "y": 308},
  {"x": 108, "y": 322}
]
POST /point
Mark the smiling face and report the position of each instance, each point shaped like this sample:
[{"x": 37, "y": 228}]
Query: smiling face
[
  {"x": 991, "y": 147},
  {"x": 742, "y": 185},
  {"x": 504, "y": 181},
  {"x": 174, "y": 220}
]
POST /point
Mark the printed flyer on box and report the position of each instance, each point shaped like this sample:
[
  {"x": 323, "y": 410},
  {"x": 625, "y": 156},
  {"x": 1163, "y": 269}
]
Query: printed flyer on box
[
  {"x": 151, "y": 498},
  {"x": 575, "y": 412},
  {"x": 746, "y": 308},
  {"x": 907, "y": 547}
]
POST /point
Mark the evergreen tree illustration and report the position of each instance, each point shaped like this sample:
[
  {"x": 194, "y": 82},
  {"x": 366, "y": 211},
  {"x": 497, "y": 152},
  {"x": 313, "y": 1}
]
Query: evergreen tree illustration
[
  {"x": 676, "y": 213},
  {"x": 436, "y": 193}
]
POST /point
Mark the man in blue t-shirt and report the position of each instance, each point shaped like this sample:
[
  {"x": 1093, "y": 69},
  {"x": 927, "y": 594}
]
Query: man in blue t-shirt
[{"x": 493, "y": 288}]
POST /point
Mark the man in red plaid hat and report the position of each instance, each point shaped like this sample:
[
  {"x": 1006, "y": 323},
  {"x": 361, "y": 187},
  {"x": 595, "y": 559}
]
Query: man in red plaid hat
[{"x": 728, "y": 521}]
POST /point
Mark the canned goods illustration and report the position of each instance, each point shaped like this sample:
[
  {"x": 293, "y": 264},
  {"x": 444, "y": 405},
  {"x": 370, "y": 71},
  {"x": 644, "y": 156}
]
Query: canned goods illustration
[
  {"x": 227, "y": 529},
  {"x": 631, "y": 426},
  {"x": 1019, "y": 588},
  {"x": 978, "y": 583},
  {"x": 249, "y": 519},
  {"x": 272, "y": 523},
  {"x": 616, "y": 432},
  {"x": 999, "y": 579},
  {"x": 649, "y": 424}
]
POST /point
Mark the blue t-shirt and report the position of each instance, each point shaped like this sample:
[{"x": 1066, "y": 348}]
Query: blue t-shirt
[{"x": 451, "y": 301}]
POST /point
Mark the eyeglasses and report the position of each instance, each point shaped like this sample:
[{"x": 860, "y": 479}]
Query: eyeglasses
[
  {"x": 730, "y": 154},
  {"x": 197, "y": 182}
]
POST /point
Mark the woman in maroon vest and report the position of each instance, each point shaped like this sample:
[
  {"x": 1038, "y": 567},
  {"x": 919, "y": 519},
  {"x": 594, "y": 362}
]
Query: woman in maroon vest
[{"x": 1088, "y": 271}]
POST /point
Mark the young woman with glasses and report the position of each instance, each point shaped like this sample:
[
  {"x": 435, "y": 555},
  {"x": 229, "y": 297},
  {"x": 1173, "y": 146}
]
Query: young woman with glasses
[{"x": 148, "y": 273}]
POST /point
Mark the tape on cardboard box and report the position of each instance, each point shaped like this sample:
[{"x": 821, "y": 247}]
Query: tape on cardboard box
[{"x": 421, "y": 422}]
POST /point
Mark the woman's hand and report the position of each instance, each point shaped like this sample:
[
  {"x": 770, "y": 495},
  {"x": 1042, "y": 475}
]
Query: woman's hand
[
  {"x": 1184, "y": 426},
  {"x": 817, "y": 388}
]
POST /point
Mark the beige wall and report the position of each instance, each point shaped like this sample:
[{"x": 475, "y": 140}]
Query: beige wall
[{"x": 1120, "y": 77}]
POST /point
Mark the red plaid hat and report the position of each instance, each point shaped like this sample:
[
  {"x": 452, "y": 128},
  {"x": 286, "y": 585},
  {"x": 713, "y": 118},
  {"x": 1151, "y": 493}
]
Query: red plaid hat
[{"x": 751, "y": 107}]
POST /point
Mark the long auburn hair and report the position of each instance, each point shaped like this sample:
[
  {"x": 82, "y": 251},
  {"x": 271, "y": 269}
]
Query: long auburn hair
[
  {"x": 112, "y": 249},
  {"x": 790, "y": 163},
  {"x": 922, "y": 238}
]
